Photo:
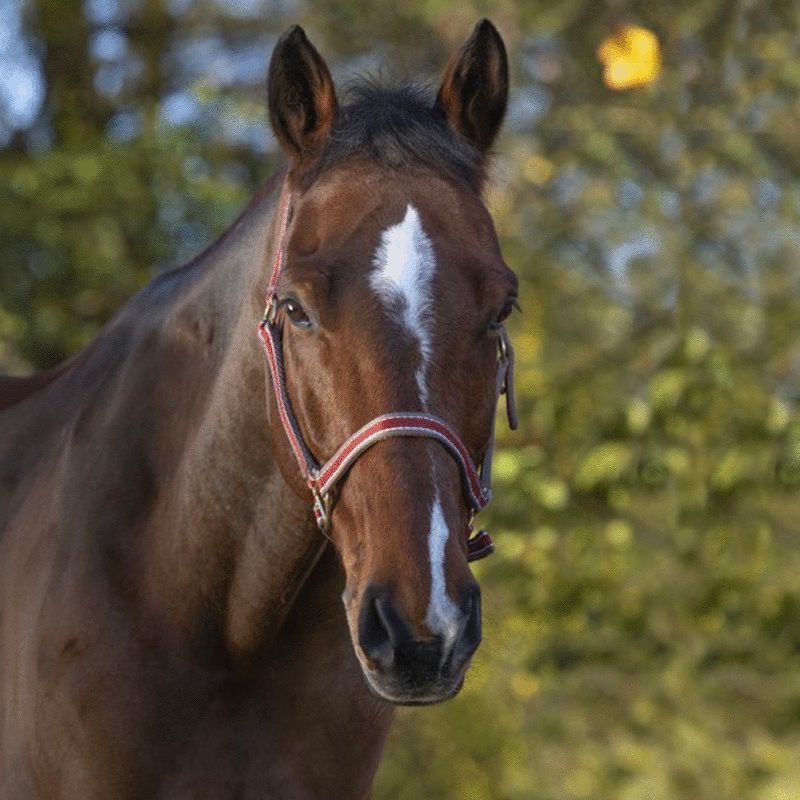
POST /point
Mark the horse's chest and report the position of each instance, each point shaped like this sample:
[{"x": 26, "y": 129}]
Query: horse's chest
[{"x": 114, "y": 719}]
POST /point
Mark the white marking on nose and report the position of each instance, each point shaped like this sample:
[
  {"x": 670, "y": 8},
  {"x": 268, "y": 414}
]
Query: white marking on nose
[
  {"x": 403, "y": 278},
  {"x": 443, "y": 615}
]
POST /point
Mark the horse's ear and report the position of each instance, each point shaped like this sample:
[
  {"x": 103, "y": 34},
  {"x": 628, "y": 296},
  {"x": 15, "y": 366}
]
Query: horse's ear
[
  {"x": 474, "y": 92},
  {"x": 302, "y": 99}
]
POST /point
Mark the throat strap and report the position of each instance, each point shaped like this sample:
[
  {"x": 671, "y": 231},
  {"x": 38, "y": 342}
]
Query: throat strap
[{"x": 323, "y": 479}]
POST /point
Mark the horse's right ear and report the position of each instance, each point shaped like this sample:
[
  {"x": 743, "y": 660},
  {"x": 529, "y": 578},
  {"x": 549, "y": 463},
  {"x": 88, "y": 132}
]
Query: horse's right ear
[{"x": 302, "y": 99}]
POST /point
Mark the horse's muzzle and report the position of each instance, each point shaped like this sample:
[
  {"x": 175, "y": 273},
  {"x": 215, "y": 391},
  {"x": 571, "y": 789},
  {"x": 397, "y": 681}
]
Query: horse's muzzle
[{"x": 409, "y": 670}]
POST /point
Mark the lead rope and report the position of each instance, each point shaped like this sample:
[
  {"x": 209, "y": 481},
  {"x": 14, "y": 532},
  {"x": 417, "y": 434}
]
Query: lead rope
[{"x": 323, "y": 480}]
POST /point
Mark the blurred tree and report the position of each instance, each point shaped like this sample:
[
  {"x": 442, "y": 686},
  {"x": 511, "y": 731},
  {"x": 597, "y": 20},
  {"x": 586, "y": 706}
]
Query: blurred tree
[{"x": 76, "y": 112}]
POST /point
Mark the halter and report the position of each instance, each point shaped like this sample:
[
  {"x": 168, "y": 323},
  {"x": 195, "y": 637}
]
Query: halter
[{"x": 322, "y": 479}]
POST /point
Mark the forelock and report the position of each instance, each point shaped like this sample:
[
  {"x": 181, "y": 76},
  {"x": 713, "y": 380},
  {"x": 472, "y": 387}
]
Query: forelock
[{"x": 398, "y": 128}]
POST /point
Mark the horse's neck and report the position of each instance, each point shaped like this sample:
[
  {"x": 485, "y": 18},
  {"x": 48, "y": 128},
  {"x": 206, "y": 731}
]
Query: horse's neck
[{"x": 228, "y": 544}]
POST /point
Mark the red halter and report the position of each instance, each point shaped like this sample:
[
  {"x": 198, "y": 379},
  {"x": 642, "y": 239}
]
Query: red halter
[{"x": 322, "y": 479}]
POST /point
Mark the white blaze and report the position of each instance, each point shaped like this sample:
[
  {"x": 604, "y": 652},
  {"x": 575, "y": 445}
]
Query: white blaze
[
  {"x": 403, "y": 278},
  {"x": 443, "y": 615}
]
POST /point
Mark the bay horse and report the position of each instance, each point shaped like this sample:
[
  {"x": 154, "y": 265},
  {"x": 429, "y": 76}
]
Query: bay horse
[{"x": 173, "y": 622}]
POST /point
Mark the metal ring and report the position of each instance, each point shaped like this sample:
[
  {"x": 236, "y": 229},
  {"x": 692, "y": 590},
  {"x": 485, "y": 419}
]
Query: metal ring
[{"x": 502, "y": 346}]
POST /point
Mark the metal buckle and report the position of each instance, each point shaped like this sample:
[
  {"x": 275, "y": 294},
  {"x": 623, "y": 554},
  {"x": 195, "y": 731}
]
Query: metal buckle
[
  {"x": 323, "y": 505},
  {"x": 271, "y": 310},
  {"x": 502, "y": 345}
]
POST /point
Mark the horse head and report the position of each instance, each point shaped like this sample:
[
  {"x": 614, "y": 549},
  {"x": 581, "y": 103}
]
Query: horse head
[{"x": 390, "y": 296}]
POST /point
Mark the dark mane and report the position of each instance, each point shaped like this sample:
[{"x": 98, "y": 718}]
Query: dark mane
[{"x": 398, "y": 127}]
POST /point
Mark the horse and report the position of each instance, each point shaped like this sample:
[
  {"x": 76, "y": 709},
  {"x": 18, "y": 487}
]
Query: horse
[{"x": 191, "y": 604}]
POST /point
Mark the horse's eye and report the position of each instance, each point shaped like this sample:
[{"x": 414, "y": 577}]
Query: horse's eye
[
  {"x": 295, "y": 313},
  {"x": 504, "y": 313}
]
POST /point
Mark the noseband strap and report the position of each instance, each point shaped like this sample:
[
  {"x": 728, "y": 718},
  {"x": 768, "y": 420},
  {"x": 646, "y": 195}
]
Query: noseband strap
[{"x": 323, "y": 479}]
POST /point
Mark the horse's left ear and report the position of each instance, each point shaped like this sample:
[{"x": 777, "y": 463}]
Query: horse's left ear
[
  {"x": 474, "y": 92},
  {"x": 302, "y": 98}
]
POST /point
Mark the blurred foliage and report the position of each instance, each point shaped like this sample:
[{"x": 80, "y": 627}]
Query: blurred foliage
[{"x": 642, "y": 614}]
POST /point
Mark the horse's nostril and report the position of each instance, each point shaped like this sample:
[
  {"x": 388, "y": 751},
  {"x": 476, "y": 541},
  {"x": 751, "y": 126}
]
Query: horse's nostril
[
  {"x": 380, "y": 628},
  {"x": 470, "y": 637},
  {"x": 471, "y": 603}
]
